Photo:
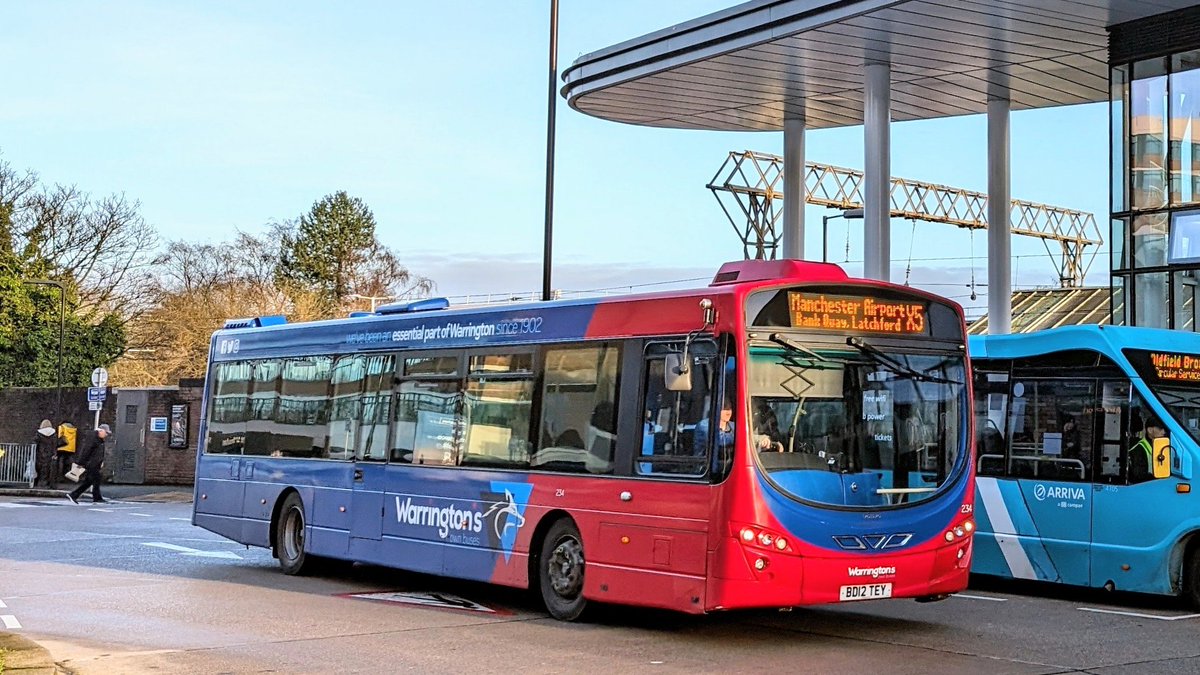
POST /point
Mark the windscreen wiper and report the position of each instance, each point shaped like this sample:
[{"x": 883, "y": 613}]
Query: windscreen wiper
[
  {"x": 894, "y": 365},
  {"x": 795, "y": 346}
]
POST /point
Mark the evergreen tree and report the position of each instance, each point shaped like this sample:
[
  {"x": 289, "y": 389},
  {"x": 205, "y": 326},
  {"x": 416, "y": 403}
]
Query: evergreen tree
[{"x": 327, "y": 246}]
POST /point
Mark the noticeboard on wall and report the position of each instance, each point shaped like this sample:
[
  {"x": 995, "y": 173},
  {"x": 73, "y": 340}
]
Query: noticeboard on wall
[{"x": 179, "y": 426}]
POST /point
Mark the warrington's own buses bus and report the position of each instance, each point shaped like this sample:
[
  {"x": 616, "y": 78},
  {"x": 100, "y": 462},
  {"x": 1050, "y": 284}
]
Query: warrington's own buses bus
[
  {"x": 784, "y": 436},
  {"x": 1086, "y": 448}
]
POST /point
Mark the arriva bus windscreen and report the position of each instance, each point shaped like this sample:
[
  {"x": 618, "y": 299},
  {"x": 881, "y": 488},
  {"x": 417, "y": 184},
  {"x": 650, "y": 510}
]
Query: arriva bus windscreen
[{"x": 784, "y": 436}]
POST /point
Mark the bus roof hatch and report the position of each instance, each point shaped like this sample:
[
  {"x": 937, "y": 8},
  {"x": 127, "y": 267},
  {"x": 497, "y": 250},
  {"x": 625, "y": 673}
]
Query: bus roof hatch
[{"x": 425, "y": 305}]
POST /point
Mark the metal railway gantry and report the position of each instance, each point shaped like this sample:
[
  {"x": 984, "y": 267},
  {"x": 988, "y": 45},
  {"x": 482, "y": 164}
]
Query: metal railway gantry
[{"x": 754, "y": 180}]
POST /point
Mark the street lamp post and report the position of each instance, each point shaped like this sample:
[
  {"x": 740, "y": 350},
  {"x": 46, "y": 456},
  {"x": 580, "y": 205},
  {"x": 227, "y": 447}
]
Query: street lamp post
[
  {"x": 848, "y": 214},
  {"x": 62, "y": 322}
]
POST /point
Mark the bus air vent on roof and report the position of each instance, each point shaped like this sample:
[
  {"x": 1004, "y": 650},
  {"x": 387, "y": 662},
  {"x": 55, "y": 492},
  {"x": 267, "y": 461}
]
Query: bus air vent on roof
[
  {"x": 765, "y": 270},
  {"x": 426, "y": 305},
  {"x": 256, "y": 322}
]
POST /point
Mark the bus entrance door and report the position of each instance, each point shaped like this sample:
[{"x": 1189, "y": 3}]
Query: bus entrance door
[
  {"x": 1062, "y": 518},
  {"x": 366, "y": 521}
]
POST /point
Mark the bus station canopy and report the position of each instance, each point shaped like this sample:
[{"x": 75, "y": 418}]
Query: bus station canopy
[{"x": 750, "y": 66}]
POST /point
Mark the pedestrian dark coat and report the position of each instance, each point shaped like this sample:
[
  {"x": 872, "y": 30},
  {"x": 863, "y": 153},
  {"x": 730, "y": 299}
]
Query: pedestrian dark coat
[
  {"x": 48, "y": 443},
  {"x": 91, "y": 455}
]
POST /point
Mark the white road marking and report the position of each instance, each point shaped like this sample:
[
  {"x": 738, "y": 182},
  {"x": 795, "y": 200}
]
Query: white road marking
[
  {"x": 184, "y": 550},
  {"x": 15, "y": 505},
  {"x": 1139, "y": 615},
  {"x": 188, "y": 520},
  {"x": 978, "y": 597},
  {"x": 100, "y": 509},
  {"x": 10, "y": 621},
  {"x": 2, "y": 605},
  {"x": 443, "y": 600},
  {"x": 140, "y": 515}
]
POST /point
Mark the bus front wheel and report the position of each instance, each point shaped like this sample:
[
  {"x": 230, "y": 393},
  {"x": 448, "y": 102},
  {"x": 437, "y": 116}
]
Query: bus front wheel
[
  {"x": 1191, "y": 578},
  {"x": 561, "y": 574},
  {"x": 289, "y": 538}
]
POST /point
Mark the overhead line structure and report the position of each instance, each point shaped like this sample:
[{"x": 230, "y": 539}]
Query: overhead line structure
[{"x": 754, "y": 181}]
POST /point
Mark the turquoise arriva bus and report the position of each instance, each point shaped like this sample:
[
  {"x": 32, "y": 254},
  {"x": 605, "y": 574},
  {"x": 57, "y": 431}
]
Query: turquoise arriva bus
[{"x": 1067, "y": 489}]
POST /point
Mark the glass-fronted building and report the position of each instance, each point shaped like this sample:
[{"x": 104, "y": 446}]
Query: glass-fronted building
[{"x": 1155, "y": 140}]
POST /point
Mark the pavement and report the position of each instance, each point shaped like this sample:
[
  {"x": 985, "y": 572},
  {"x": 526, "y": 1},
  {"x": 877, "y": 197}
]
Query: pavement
[{"x": 22, "y": 656}]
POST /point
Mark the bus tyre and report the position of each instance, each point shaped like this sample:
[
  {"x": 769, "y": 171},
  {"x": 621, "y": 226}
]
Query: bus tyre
[
  {"x": 1191, "y": 579},
  {"x": 289, "y": 538},
  {"x": 561, "y": 574}
]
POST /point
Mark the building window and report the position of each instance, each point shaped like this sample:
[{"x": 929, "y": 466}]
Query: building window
[
  {"x": 1118, "y": 237},
  {"x": 1120, "y": 304},
  {"x": 1150, "y": 291},
  {"x": 1118, "y": 144},
  {"x": 1147, "y": 141},
  {"x": 1149, "y": 238},
  {"x": 1185, "y": 128}
]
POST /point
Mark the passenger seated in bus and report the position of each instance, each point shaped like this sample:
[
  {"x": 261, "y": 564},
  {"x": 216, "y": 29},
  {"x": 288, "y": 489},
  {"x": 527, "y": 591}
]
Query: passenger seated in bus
[
  {"x": 1071, "y": 439},
  {"x": 1141, "y": 454},
  {"x": 724, "y": 430}
]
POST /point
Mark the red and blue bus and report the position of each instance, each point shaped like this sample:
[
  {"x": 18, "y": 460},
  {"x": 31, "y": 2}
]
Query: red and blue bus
[{"x": 784, "y": 436}]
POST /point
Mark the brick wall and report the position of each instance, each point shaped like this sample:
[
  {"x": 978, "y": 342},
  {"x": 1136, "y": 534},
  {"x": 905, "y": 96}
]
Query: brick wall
[
  {"x": 166, "y": 465},
  {"x": 23, "y": 408}
]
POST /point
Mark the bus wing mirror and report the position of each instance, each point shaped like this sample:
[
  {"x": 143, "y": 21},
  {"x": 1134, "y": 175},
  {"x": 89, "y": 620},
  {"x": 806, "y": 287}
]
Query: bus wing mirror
[
  {"x": 677, "y": 372},
  {"x": 1162, "y": 457}
]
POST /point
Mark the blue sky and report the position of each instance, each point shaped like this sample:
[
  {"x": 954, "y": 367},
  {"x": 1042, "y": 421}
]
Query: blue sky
[{"x": 228, "y": 115}]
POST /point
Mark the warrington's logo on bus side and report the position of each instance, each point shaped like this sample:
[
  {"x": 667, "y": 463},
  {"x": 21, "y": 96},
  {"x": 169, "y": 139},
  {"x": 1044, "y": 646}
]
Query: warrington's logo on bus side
[{"x": 505, "y": 513}]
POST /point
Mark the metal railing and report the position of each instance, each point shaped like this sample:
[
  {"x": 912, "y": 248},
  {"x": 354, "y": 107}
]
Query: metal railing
[{"x": 16, "y": 463}]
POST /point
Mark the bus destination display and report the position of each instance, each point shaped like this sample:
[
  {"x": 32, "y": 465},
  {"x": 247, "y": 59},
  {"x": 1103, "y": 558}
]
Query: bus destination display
[
  {"x": 1176, "y": 367},
  {"x": 823, "y": 311}
]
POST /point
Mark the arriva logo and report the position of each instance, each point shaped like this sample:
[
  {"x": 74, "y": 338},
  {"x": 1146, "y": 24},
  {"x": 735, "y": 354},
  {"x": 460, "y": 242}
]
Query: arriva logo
[
  {"x": 873, "y": 572},
  {"x": 1042, "y": 492}
]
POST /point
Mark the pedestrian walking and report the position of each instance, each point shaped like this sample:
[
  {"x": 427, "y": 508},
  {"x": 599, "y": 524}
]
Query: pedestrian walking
[
  {"x": 47, "y": 442},
  {"x": 91, "y": 457}
]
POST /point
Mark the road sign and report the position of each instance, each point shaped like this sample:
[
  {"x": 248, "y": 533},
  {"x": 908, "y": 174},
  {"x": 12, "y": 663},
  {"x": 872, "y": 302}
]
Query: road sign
[
  {"x": 95, "y": 405},
  {"x": 99, "y": 377},
  {"x": 97, "y": 393}
]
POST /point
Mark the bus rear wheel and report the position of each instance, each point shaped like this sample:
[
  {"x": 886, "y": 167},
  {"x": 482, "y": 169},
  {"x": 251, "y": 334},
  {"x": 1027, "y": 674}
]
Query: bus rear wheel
[
  {"x": 289, "y": 538},
  {"x": 561, "y": 574}
]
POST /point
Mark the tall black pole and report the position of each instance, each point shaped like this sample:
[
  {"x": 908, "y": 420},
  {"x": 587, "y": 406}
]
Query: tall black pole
[
  {"x": 62, "y": 323},
  {"x": 548, "y": 238}
]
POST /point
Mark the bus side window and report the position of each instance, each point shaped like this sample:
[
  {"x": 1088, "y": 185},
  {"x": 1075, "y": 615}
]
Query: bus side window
[
  {"x": 375, "y": 409},
  {"x": 1051, "y": 425},
  {"x": 579, "y": 410},
  {"x": 346, "y": 389},
  {"x": 675, "y": 439},
  {"x": 227, "y": 417}
]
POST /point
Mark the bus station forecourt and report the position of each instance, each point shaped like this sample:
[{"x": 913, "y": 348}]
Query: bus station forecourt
[{"x": 786, "y": 435}]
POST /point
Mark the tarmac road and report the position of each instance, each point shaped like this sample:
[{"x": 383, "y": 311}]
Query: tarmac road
[{"x": 132, "y": 587}]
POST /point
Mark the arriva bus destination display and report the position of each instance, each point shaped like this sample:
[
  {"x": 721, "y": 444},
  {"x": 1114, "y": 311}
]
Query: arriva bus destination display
[
  {"x": 823, "y": 311},
  {"x": 1176, "y": 367}
]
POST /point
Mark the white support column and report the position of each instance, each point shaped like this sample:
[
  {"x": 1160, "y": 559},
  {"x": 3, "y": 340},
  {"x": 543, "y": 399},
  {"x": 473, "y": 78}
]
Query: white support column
[
  {"x": 794, "y": 195},
  {"x": 999, "y": 221},
  {"x": 877, "y": 178}
]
